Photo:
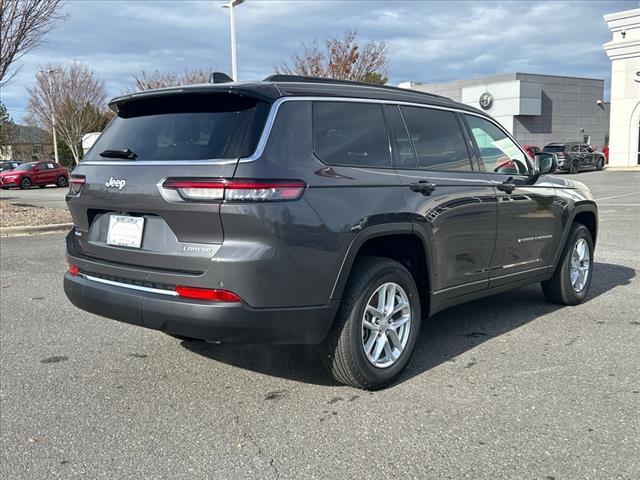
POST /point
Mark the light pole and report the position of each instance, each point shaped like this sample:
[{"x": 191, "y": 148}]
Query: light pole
[
  {"x": 232, "y": 22},
  {"x": 50, "y": 74}
]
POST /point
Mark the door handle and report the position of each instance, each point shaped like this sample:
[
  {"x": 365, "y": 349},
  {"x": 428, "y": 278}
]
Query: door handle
[
  {"x": 506, "y": 187},
  {"x": 423, "y": 186}
]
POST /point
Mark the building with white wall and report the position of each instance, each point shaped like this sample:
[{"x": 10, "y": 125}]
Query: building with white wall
[
  {"x": 624, "y": 52},
  {"x": 536, "y": 109}
]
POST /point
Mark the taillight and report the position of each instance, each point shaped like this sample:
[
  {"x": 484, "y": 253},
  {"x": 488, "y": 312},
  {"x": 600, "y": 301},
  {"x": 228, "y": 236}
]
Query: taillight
[
  {"x": 211, "y": 295},
  {"x": 76, "y": 182},
  {"x": 74, "y": 270},
  {"x": 237, "y": 190}
]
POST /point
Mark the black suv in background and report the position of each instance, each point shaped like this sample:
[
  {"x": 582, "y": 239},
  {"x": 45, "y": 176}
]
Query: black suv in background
[
  {"x": 573, "y": 157},
  {"x": 296, "y": 210}
]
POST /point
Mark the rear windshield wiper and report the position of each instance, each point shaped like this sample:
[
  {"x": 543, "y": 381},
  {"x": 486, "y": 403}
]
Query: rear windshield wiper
[{"x": 119, "y": 153}]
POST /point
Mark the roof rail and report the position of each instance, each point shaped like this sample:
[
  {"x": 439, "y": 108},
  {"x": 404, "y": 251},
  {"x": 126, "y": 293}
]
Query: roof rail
[
  {"x": 220, "y": 77},
  {"x": 278, "y": 77}
]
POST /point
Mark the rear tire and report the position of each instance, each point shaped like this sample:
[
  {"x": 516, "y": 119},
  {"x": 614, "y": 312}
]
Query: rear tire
[
  {"x": 566, "y": 286},
  {"x": 25, "y": 184},
  {"x": 62, "y": 181},
  {"x": 600, "y": 164},
  {"x": 349, "y": 351},
  {"x": 574, "y": 168}
]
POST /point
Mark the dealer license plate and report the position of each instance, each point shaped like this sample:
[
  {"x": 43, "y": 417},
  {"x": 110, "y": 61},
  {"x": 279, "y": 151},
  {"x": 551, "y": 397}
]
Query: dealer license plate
[{"x": 125, "y": 231}]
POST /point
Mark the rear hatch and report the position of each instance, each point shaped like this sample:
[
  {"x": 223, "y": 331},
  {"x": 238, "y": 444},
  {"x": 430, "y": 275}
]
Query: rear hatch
[{"x": 122, "y": 212}]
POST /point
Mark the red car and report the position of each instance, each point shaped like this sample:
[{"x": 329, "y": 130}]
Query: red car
[
  {"x": 532, "y": 150},
  {"x": 35, "y": 173}
]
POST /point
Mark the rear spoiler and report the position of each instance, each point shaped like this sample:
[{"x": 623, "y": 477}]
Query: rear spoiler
[{"x": 259, "y": 90}]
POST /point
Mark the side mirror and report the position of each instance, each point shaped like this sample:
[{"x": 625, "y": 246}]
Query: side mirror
[{"x": 545, "y": 162}]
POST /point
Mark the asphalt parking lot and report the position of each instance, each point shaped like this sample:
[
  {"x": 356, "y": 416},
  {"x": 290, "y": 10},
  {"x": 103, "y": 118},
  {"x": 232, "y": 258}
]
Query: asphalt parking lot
[{"x": 507, "y": 387}]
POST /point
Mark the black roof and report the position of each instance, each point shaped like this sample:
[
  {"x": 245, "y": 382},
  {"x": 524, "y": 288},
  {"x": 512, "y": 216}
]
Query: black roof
[{"x": 278, "y": 86}]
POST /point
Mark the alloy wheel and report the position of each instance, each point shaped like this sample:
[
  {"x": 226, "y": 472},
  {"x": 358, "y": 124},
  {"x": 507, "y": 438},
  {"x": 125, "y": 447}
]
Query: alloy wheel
[
  {"x": 386, "y": 324},
  {"x": 580, "y": 263}
]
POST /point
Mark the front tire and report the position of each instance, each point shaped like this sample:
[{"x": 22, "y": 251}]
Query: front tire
[
  {"x": 25, "y": 184},
  {"x": 62, "y": 181},
  {"x": 572, "y": 278},
  {"x": 376, "y": 327},
  {"x": 600, "y": 164}
]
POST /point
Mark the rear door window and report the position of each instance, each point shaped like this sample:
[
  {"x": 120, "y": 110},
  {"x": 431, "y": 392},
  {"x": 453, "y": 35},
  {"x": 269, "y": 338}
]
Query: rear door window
[
  {"x": 437, "y": 139},
  {"x": 350, "y": 134},
  {"x": 185, "y": 127}
]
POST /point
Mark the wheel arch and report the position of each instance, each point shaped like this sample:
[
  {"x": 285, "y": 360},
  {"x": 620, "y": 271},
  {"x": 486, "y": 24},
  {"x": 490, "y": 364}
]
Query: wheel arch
[
  {"x": 586, "y": 214},
  {"x": 398, "y": 241}
]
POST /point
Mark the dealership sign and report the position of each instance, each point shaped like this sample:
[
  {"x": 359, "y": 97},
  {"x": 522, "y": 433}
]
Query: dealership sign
[{"x": 486, "y": 100}]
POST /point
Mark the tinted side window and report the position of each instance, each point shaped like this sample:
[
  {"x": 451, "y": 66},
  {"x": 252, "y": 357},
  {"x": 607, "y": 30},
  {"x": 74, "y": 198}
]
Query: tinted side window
[
  {"x": 437, "y": 139},
  {"x": 346, "y": 133},
  {"x": 497, "y": 151}
]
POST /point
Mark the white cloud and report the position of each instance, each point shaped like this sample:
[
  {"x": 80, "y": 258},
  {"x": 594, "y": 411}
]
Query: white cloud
[{"x": 428, "y": 41}]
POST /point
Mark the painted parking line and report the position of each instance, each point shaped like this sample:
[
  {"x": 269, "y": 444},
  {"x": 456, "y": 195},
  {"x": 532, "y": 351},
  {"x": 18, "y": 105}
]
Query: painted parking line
[
  {"x": 619, "y": 204},
  {"x": 617, "y": 196}
]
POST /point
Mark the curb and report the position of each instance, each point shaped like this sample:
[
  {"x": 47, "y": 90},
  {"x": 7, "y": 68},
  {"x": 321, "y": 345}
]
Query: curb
[{"x": 34, "y": 229}]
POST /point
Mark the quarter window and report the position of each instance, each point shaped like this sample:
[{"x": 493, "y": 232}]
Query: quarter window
[
  {"x": 437, "y": 139},
  {"x": 350, "y": 134},
  {"x": 497, "y": 151}
]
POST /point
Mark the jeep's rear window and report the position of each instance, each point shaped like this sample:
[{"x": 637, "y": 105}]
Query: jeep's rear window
[{"x": 185, "y": 127}]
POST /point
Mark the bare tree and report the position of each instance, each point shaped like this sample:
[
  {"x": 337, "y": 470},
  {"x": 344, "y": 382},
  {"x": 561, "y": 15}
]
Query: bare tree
[
  {"x": 340, "y": 58},
  {"x": 74, "y": 96},
  {"x": 23, "y": 25},
  {"x": 146, "y": 81}
]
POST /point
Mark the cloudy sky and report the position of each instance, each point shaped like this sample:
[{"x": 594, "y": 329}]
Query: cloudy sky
[{"x": 428, "y": 41}]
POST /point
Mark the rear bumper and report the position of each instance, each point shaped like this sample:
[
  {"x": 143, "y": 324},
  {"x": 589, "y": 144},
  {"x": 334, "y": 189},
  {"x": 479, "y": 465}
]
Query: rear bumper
[{"x": 224, "y": 322}]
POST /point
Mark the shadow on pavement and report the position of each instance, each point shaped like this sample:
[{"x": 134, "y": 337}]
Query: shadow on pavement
[{"x": 442, "y": 337}]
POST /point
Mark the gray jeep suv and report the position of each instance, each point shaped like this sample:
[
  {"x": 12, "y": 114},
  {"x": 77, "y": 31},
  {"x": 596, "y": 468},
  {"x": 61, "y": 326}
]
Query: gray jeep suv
[{"x": 307, "y": 211}]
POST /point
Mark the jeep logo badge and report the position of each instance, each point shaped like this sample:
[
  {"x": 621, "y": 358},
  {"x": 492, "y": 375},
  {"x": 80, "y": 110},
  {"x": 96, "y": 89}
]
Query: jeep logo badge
[
  {"x": 486, "y": 100},
  {"x": 118, "y": 183}
]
